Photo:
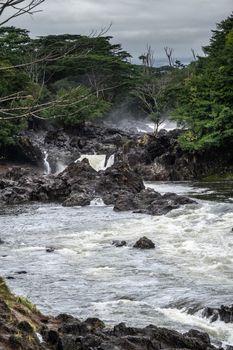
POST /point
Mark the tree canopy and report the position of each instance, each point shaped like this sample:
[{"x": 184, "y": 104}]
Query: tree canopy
[{"x": 205, "y": 101}]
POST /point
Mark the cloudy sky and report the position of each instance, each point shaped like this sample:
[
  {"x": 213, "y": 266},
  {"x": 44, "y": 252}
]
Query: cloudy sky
[{"x": 180, "y": 24}]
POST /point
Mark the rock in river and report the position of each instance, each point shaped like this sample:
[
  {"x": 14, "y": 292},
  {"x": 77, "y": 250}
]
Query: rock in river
[{"x": 144, "y": 243}]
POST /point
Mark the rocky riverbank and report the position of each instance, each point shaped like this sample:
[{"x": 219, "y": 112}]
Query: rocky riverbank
[
  {"x": 22, "y": 326},
  {"x": 155, "y": 158},
  {"x": 137, "y": 157},
  {"x": 79, "y": 184}
]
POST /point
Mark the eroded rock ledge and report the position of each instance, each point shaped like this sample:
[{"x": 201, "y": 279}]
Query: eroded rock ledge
[{"x": 22, "y": 326}]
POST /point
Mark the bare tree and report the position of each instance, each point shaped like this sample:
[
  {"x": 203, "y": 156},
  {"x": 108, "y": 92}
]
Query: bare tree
[
  {"x": 150, "y": 90},
  {"x": 15, "y": 8},
  {"x": 148, "y": 59},
  {"x": 169, "y": 53}
]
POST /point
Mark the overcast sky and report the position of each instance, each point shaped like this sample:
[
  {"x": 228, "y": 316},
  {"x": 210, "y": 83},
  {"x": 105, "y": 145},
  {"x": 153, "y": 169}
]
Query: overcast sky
[{"x": 180, "y": 24}]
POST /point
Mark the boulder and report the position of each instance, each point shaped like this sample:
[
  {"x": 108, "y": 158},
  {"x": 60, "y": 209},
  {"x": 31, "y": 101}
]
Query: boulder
[
  {"x": 77, "y": 199},
  {"x": 120, "y": 177},
  {"x": 144, "y": 243},
  {"x": 119, "y": 244},
  {"x": 50, "y": 249},
  {"x": 224, "y": 313}
]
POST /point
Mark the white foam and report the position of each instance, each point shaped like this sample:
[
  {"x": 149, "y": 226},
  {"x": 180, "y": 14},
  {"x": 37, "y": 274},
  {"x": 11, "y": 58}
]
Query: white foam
[
  {"x": 97, "y": 202},
  {"x": 219, "y": 330}
]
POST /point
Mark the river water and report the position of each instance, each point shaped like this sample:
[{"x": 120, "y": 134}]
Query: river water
[{"x": 191, "y": 267}]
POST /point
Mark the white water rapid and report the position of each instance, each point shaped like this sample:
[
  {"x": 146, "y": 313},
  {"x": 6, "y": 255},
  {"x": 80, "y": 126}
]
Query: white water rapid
[{"x": 190, "y": 268}]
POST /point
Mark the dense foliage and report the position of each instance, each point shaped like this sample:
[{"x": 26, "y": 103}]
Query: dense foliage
[
  {"x": 205, "y": 100},
  {"x": 75, "y": 106},
  {"x": 49, "y": 77},
  {"x": 72, "y": 78}
]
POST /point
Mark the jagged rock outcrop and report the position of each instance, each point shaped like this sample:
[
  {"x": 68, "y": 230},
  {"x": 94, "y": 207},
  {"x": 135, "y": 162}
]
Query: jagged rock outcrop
[
  {"x": 224, "y": 313},
  {"x": 79, "y": 183}
]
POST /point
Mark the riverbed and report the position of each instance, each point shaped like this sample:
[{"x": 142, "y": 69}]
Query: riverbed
[{"x": 190, "y": 268}]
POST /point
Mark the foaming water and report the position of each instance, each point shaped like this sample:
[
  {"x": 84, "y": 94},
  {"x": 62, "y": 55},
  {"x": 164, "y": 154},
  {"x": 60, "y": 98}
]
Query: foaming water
[
  {"x": 191, "y": 267},
  {"x": 97, "y": 202}
]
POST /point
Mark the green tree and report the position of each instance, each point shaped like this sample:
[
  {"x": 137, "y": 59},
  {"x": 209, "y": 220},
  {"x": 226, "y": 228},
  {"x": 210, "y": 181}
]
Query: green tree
[
  {"x": 92, "y": 61},
  {"x": 205, "y": 102},
  {"x": 75, "y": 106}
]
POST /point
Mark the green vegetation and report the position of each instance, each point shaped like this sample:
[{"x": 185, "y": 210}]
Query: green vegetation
[
  {"x": 72, "y": 78},
  {"x": 205, "y": 101},
  {"x": 12, "y": 301},
  {"x": 221, "y": 177},
  {"x": 67, "y": 78},
  {"x": 74, "y": 106}
]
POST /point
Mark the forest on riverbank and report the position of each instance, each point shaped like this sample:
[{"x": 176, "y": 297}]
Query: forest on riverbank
[{"x": 69, "y": 79}]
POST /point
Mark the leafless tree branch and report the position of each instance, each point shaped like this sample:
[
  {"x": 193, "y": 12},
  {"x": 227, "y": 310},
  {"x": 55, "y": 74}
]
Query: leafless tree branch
[{"x": 19, "y": 7}]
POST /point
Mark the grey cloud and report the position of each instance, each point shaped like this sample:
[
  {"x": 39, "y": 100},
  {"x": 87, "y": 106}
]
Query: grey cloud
[{"x": 181, "y": 24}]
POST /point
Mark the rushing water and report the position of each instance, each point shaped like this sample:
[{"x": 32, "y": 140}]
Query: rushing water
[{"x": 191, "y": 267}]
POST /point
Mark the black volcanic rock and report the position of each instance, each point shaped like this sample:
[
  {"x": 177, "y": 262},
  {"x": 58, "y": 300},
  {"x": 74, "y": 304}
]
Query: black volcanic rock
[
  {"x": 118, "y": 185},
  {"x": 144, "y": 243},
  {"x": 22, "y": 326},
  {"x": 224, "y": 313}
]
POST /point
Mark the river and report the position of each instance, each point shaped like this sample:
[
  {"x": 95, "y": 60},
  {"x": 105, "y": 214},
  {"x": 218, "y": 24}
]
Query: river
[{"x": 191, "y": 267}]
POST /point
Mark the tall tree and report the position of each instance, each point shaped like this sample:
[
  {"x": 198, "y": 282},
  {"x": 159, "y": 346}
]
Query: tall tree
[{"x": 205, "y": 103}]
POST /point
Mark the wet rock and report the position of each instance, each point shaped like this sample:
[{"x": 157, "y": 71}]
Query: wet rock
[
  {"x": 51, "y": 337},
  {"x": 224, "y": 313},
  {"x": 50, "y": 249},
  {"x": 77, "y": 199},
  {"x": 1, "y": 241},
  {"x": 125, "y": 202},
  {"x": 25, "y": 327},
  {"x": 120, "y": 177},
  {"x": 161, "y": 207},
  {"x": 193, "y": 333},
  {"x": 119, "y": 244},
  {"x": 180, "y": 200},
  {"x": 144, "y": 243}
]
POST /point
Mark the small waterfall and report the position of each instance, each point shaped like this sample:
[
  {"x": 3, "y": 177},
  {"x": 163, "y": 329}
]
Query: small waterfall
[
  {"x": 97, "y": 161},
  {"x": 46, "y": 164},
  {"x": 110, "y": 162}
]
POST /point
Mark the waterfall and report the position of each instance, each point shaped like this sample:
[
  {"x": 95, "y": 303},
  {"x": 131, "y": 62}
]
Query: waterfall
[
  {"x": 97, "y": 161},
  {"x": 46, "y": 164},
  {"x": 110, "y": 162}
]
